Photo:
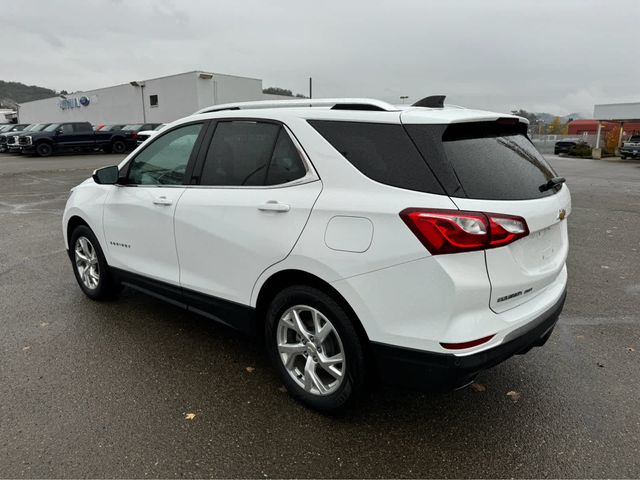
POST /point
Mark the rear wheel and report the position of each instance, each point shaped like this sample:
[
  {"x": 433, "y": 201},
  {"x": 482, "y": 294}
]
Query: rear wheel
[
  {"x": 315, "y": 348},
  {"x": 90, "y": 266},
  {"x": 623, "y": 157},
  {"x": 44, "y": 149},
  {"x": 118, "y": 146}
]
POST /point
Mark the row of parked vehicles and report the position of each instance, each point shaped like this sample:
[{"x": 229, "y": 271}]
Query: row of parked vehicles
[{"x": 45, "y": 139}]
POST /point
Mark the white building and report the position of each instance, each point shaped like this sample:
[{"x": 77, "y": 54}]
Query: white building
[{"x": 157, "y": 100}]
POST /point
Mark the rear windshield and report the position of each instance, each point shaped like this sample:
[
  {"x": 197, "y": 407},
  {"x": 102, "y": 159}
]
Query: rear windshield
[
  {"x": 132, "y": 127},
  {"x": 382, "y": 152},
  {"x": 490, "y": 160}
]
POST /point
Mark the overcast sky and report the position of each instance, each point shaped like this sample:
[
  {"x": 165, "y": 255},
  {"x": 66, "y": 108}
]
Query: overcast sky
[{"x": 559, "y": 56}]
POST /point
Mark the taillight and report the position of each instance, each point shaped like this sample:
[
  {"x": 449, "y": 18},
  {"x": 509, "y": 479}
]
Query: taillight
[
  {"x": 134, "y": 135},
  {"x": 453, "y": 231}
]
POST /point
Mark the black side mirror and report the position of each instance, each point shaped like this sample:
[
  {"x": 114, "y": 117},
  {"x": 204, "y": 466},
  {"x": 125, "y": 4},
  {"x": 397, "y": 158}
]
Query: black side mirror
[
  {"x": 58, "y": 131},
  {"x": 106, "y": 175}
]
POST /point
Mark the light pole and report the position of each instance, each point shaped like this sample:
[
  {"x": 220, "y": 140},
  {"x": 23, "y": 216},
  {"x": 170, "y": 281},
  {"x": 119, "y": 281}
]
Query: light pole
[
  {"x": 141, "y": 85},
  {"x": 403, "y": 98}
]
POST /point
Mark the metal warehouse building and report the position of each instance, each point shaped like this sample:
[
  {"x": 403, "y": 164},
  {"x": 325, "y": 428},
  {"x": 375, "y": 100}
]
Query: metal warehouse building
[{"x": 157, "y": 100}]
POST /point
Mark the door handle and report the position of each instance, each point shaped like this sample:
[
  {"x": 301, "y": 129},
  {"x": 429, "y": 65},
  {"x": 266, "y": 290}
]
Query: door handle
[
  {"x": 164, "y": 201},
  {"x": 274, "y": 206}
]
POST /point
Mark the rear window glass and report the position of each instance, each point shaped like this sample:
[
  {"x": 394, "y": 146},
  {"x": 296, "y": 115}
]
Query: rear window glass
[
  {"x": 496, "y": 163},
  {"x": 382, "y": 152},
  {"x": 490, "y": 160}
]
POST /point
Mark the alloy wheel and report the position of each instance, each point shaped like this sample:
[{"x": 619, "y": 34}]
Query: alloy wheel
[
  {"x": 311, "y": 350},
  {"x": 87, "y": 263}
]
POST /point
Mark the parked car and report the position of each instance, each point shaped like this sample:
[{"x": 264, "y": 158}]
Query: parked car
[
  {"x": 563, "y": 146},
  {"x": 630, "y": 148},
  {"x": 131, "y": 132},
  {"x": 4, "y": 134},
  {"x": 70, "y": 137},
  {"x": 144, "y": 134},
  {"x": 13, "y": 140},
  {"x": 364, "y": 240}
]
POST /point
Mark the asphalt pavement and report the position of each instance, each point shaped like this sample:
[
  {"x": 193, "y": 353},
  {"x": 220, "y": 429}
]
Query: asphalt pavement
[{"x": 138, "y": 388}]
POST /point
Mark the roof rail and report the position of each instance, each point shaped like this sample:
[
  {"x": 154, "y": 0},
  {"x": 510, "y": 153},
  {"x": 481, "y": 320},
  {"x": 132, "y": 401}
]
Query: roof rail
[{"x": 334, "y": 103}]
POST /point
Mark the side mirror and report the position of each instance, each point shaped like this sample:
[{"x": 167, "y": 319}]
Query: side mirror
[
  {"x": 106, "y": 175},
  {"x": 58, "y": 131}
]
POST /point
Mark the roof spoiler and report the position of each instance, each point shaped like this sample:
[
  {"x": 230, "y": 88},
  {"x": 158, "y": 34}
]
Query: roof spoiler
[{"x": 433, "y": 101}]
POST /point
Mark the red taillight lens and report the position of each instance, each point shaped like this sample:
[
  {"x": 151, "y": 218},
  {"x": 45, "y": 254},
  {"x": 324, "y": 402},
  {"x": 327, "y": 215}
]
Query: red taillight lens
[
  {"x": 453, "y": 231},
  {"x": 134, "y": 135}
]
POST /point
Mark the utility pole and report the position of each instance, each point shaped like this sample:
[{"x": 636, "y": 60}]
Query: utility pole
[{"x": 310, "y": 87}]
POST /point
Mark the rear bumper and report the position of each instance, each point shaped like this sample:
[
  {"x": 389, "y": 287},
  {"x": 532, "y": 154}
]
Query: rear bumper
[{"x": 430, "y": 370}]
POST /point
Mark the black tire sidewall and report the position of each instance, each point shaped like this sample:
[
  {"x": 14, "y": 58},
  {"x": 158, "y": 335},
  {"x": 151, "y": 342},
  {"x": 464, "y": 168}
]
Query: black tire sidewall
[
  {"x": 47, "y": 152},
  {"x": 353, "y": 384},
  {"x": 106, "y": 286},
  {"x": 118, "y": 146}
]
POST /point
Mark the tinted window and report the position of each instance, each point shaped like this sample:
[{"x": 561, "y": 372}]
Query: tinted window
[
  {"x": 66, "y": 128},
  {"x": 383, "y": 152},
  {"x": 82, "y": 127},
  {"x": 133, "y": 127},
  {"x": 239, "y": 153},
  {"x": 52, "y": 127},
  {"x": 286, "y": 164},
  {"x": 164, "y": 161},
  {"x": 494, "y": 163}
]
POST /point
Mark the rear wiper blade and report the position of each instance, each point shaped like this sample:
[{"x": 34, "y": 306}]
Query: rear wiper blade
[{"x": 554, "y": 182}]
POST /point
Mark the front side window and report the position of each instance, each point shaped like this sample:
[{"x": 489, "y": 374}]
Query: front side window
[
  {"x": 66, "y": 128},
  {"x": 164, "y": 161},
  {"x": 248, "y": 153}
]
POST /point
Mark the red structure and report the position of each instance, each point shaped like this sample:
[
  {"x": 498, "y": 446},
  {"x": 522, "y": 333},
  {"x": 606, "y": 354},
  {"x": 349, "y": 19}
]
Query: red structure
[{"x": 578, "y": 127}]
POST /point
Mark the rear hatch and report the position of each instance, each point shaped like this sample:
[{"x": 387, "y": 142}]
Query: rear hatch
[{"x": 491, "y": 166}]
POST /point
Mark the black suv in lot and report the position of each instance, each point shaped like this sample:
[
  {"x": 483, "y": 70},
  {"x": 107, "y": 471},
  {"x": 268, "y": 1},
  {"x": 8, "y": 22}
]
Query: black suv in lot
[
  {"x": 130, "y": 132},
  {"x": 71, "y": 137}
]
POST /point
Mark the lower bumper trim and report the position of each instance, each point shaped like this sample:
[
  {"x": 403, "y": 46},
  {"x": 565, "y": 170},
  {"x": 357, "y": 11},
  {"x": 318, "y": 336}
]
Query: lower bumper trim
[{"x": 430, "y": 370}]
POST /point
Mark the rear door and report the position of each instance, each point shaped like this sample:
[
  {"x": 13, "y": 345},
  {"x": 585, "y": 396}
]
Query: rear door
[
  {"x": 498, "y": 170},
  {"x": 254, "y": 195}
]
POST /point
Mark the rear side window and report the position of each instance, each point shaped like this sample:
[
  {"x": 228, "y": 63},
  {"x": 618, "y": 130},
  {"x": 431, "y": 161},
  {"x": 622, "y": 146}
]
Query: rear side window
[
  {"x": 496, "y": 163},
  {"x": 382, "y": 152},
  {"x": 250, "y": 153},
  {"x": 82, "y": 127}
]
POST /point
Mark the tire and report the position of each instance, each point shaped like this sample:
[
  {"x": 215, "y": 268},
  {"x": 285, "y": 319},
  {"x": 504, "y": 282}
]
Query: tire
[
  {"x": 44, "y": 149},
  {"x": 321, "y": 389},
  {"x": 118, "y": 146},
  {"x": 622, "y": 157},
  {"x": 97, "y": 283}
]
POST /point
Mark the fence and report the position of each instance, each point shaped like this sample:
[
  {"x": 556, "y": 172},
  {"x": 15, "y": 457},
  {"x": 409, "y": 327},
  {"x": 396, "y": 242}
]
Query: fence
[{"x": 546, "y": 143}]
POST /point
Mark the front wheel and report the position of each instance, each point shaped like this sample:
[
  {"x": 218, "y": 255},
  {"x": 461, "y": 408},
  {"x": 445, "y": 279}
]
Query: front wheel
[
  {"x": 315, "y": 347},
  {"x": 44, "y": 149},
  {"x": 90, "y": 266}
]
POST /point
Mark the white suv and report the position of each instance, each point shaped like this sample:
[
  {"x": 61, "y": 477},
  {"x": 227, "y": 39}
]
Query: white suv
[{"x": 418, "y": 245}]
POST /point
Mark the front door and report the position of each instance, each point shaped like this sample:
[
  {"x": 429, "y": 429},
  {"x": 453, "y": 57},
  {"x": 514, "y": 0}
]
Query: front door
[{"x": 138, "y": 214}]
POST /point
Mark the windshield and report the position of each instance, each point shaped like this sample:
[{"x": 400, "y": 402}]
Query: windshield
[
  {"x": 52, "y": 127},
  {"x": 39, "y": 127},
  {"x": 132, "y": 127}
]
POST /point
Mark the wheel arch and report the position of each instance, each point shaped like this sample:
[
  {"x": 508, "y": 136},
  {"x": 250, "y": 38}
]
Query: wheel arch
[
  {"x": 289, "y": 277},
  {"x": 74, "y": 222}
]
